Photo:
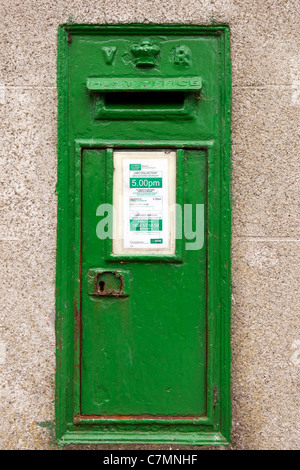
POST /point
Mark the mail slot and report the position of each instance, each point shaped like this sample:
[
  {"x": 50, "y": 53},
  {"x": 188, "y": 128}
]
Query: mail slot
[{"x": 143, "y": 257}]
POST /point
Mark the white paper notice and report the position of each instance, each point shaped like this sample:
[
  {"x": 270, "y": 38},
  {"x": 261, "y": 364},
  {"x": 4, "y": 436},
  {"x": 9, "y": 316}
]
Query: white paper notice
[
  {"x": 145, "y": 182},
  {"x": 145, "y": 199}
]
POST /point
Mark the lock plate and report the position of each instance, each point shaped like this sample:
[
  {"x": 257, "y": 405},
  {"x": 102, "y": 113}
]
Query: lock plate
[{"x": 103, "y": 282}]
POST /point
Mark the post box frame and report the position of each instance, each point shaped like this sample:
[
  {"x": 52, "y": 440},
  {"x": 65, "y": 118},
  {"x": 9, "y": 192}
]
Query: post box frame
[{"x": 71, "y": 426}]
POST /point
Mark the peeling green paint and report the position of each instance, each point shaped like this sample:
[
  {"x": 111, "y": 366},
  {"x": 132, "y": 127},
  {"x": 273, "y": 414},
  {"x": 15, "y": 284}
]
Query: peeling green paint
[{"x": 50, "y": 425}]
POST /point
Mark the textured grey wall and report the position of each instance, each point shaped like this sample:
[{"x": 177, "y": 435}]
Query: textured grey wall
[{"x": 265, "y": 41}]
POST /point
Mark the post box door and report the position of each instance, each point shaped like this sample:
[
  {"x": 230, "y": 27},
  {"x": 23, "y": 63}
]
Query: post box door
[{"x": 144, "y": 352}]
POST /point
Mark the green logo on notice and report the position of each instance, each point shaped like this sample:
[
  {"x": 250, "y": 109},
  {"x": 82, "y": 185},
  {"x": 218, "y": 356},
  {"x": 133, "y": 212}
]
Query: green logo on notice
[
  {"x": 135, "y": 166},
  {"x": 156, "y": 240}
]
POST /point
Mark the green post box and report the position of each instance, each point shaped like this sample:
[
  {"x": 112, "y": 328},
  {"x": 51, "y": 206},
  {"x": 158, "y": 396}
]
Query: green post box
[{"x": 143, "y": 259}]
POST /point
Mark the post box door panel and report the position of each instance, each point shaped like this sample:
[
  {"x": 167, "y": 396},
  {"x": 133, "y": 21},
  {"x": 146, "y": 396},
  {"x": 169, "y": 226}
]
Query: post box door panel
[{"x": 144, "y": 352}]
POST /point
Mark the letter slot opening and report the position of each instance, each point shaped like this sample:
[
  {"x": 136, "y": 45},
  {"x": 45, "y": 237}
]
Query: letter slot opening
[{"x": 144, "y": 99}]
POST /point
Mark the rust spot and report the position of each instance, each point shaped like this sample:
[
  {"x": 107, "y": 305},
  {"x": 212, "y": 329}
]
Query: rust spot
[
  {"x": 215, "y": 396},
  {"x": 76, "y": 318}
]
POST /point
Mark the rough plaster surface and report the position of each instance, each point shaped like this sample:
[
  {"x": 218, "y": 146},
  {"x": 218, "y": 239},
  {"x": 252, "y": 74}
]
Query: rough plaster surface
[{"x": 265, "y": 43}]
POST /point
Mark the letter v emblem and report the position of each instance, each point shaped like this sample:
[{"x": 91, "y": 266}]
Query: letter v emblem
[{"x": 109, "y": 54}]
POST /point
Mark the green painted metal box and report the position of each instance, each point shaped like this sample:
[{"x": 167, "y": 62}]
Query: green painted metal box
[{"x": 143, "y": 259}]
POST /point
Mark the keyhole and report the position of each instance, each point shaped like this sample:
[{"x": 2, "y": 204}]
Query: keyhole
[{"x": 101, "y": 286}]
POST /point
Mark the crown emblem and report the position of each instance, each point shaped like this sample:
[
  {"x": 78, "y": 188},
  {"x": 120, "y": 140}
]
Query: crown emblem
[{"x": 145, "y": 53}]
